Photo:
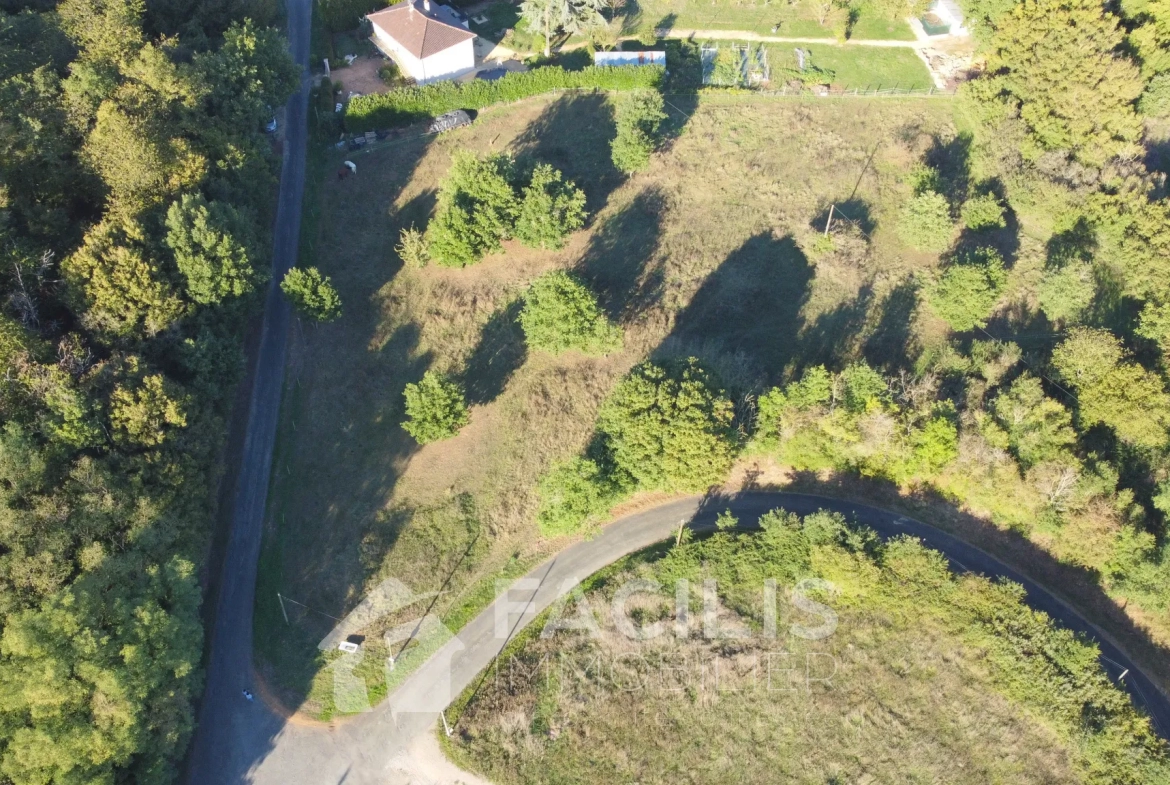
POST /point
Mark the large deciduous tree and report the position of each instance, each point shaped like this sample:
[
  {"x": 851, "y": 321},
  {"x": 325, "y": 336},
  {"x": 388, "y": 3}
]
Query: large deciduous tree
[{"x": 1057, "y": 63}]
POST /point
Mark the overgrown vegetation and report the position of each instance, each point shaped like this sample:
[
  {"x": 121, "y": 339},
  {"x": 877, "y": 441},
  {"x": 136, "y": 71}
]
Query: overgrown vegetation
[
  {"x": 665, "y": 427},
  {"x": 486, "y": 200},
  {"x": 908, "y": 638},
  {"x": 741, "y": 274},
  {"x": 135, "y": 200}
]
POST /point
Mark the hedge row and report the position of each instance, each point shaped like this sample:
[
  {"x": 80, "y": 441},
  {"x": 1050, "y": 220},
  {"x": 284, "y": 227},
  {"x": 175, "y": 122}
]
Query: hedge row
[{"x": 412, "y": 104}]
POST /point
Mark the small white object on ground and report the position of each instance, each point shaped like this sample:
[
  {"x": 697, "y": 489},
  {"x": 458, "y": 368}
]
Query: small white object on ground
[{"x": 349, "y": 647}]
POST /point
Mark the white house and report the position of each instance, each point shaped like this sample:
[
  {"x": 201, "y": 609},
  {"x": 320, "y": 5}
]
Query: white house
[{"x": 428, "y": 41}]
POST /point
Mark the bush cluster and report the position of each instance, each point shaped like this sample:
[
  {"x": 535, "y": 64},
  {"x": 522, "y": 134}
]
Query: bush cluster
[
  {"x": 410, "y": 105},
  {"x": 561, "y": 313},
  {"x": 484, "y": 201},
  {"x": 666, "y": 426},
  {"x": 926, "y": 222}
]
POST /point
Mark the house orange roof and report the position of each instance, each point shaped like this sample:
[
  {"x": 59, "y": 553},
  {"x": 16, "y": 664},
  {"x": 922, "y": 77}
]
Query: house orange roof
[{"x": 421, "y": 27}]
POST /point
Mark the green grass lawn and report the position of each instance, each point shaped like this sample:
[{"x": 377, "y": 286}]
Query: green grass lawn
[
  {"x": 795, "y": 20},
  {"x": 781, "y": 19},
  {"x": 859, "y": 66}
]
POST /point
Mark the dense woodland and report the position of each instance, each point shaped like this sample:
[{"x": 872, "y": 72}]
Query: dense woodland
[{"x": 136, "y": 193}]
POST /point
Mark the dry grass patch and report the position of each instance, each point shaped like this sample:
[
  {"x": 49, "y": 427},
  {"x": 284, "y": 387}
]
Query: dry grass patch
[{"x": 705, "y": 253}]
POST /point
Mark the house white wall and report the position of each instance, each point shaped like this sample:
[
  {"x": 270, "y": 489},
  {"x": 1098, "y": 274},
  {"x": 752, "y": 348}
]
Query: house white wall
[
  {"x": 407, "y": 63},
  {"x": 447, "y": 64}
]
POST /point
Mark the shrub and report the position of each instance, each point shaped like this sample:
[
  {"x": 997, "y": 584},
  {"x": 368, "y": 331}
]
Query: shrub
[
  {"x": 410, "y": 105},
  {"x": 1039, "y": 429},
  {"x": 1065, "y": 292},
  {"x": 983, "y": 212},
  {"x": 476, "y": 209},
  {"x": 550, "y": 209},
  {"x": 435, "y": 408},
  {"x": 1155, "y": 101},
  {"x": 639, "y": 116},
  {"x": 925, "y": 222},
  {"x": 572, "y": 494},
  {"x": 412, "y": 248},
  {"x": 669, "y": 427},
  {"x": 862, "y": 388},
  {"x": 936, "y": 445},
  {"x": 312, "y": 293},
  {"x": 968, "y": 289},
  {"x": 561, "y": 313}
]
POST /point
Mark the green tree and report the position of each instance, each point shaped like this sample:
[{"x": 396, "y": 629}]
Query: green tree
[
  {"x": 549, "y": 210},
  {"x": 639, "y": 115},
  {"x": 935, "y": 445},
  {"x": 412, "y": 248},
  {"x": 861, "y": 388},
  {"x": 1039, "y": 429},
  {"x": 561, "y": 313},
  {"x": 968, "y": 289},
  {"x": 145, "y": 411},
  {"x": 125, "y": 291},
  {"x": 925, "y": 222},
  {"x": 1057, "y": 63},
  {"x": 551, "y": 16},
  {"x": 1111, "y": 389},
  {"x": 211, "y": 247},
  {"x": 669, "y": 427},
  {"x": 312, "y": 293},
  {"x": 983, "y": 212},
  {"x": 435, "y": 408},
  {"x": 476, "y": 210},
  {"x": 97, "y": 683},
  {"x": 248, "y": 75}
]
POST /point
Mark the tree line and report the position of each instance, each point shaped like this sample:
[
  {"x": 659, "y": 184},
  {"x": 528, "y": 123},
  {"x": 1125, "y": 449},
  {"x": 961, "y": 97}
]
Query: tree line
[{"x": 136, "y": 191}]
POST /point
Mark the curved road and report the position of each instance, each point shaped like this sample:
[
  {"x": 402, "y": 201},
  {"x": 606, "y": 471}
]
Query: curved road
[
  {"x": 238, "y": 741},
  {"x": 223, "y": 726},
  {"x": 382, "y": 746}
]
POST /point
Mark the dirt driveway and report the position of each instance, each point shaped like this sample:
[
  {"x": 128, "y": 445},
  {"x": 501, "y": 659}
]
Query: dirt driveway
[{"x": 361, "y": 77}]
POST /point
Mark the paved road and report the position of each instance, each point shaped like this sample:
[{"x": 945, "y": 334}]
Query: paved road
[
  {"x": 383, "y": 746},
  {"x": 227, "y": 736}
]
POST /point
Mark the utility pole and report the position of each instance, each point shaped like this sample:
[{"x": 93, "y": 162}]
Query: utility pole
[
  {"x": 829, "y": 220},
  {"x": 283, "y": 612}
]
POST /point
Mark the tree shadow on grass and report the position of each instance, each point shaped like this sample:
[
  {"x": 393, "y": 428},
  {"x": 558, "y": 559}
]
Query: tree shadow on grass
[
  {"x": 748, "y": 309},
  {"x": 573, "y": 134},
  {"x": 500, "y": 351},
  {"x": 616, "y": 262},
  {"x": 890, "y": 345},
  {"x": 951, "y": 158},
  {"x": 854, "y": 210}
]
